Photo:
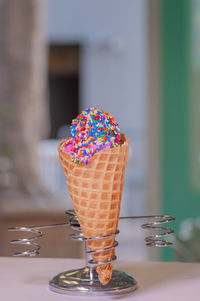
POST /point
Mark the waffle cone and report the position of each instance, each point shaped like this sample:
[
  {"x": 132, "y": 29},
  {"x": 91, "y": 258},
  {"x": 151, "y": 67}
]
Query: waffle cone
[{"x": 96, "y": 192}]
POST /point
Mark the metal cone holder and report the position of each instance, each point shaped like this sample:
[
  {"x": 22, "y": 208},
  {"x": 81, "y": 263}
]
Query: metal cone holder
[{"x": 85, "y": 281}]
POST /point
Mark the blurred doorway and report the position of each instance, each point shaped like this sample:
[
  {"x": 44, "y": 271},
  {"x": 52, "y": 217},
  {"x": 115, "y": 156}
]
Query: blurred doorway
[{"x": 63, "y": 86}]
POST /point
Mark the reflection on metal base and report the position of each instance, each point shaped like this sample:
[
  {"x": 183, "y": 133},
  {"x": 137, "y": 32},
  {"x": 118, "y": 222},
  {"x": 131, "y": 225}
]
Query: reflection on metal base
[{"x": 85, "y": 281}]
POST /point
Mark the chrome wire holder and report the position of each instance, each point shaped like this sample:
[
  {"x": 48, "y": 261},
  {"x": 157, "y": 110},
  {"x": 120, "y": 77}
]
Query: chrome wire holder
[{"x": 85, "y": 281}]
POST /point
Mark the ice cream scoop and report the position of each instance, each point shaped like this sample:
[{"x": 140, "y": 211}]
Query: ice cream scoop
[{"x": 92, "y": 131}]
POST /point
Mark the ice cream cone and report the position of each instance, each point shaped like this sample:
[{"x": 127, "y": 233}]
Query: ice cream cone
[{"x": 96, "y": 192}]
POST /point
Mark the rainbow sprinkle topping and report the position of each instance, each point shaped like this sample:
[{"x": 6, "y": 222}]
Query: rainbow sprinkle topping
[{"x": 92, "y": 131}]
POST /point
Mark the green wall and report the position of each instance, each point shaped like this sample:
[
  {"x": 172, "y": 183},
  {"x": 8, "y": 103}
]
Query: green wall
[{"x": 179, "y": 198}]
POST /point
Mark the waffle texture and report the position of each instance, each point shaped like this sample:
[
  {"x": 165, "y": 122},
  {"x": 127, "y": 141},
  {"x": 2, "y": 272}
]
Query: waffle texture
[{"x": 96, "y": 192}]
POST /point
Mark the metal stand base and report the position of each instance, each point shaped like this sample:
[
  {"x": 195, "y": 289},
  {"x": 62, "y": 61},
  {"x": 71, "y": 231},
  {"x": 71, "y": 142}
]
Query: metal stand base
[{"x": 84, "y": 282}]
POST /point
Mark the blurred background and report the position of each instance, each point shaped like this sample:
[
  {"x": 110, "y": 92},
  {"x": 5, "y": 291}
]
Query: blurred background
[{"x": 137, "y": 59}]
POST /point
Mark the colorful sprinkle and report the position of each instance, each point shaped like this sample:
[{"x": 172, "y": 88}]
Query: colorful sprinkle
[{"x": 92, "y": 131}]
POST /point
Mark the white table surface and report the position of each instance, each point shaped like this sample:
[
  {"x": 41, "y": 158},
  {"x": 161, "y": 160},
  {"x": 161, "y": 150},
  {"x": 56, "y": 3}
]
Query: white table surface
[{"x": 26, "y": 279}]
